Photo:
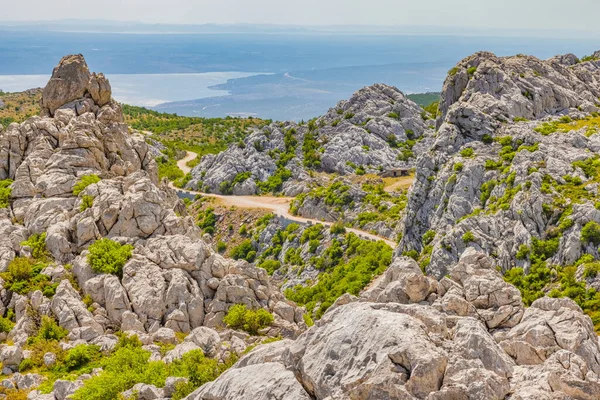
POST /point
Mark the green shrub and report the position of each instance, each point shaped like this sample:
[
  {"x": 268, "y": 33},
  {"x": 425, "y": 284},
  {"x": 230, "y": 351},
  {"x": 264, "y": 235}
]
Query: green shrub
[
  {"x": 393, "y": 115},
  {"x": 544, "y": 249},
  {"x": 591, "y": 270},
  {"x": 523, "y": 252},
  {"x": 50, "y": 330},
  {"x": 84, "y": 182},
  {"x": 5, "y": 191},
  {"x": 108, "y": 257},
  {"x": 243, "y": 251},
  {"x": 366, "y": 260},
  {"x": 221, "y": 246},
  {"x": 251, "y": 321},
  {"x": 458, "y": 167},
  {"x": 207, "y": 220},
  {"x": 313, "y": 232},
  {"x": 6, "y": 325},
  {"x": 37, "y": 244},
  {"x": 428, "y": 237},
  {"x": 337, "y": 228},
  {"x": 23, "y": 276},
  {"x": 86, "y": 202},
  {"x": 468, "y": 237},
  {"x": 26, "y": 365},
  {"x": 270, "y": 266},
  {"x": 591, "y": 233},
  {"x": 467, "y": 152},
  {"x": 487, "y": 139},
  {"x": 412, "y": 254},
  {"x": 81, "y": 355},
  {"x": 127, "y": 366}
]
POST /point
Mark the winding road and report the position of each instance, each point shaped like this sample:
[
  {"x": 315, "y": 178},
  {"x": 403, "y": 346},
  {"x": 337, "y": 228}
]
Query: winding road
[{"x": 280, "y": 206}]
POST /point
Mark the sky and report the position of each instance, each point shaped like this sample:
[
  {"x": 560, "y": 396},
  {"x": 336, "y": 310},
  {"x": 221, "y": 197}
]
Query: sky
[{"x": 580, "y": 15}]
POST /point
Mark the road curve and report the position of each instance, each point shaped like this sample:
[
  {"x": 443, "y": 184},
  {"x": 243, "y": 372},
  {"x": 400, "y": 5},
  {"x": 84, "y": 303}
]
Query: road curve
[
  {"x": 280, "y": 206},
  {"x": 182, "y": 164}
]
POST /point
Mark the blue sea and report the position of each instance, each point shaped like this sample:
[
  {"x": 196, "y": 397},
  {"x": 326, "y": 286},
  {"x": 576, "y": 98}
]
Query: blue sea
[{"x": 278, "y": 76}]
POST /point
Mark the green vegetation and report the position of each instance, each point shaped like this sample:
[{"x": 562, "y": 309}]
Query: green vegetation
[
  {"x": 365, "y": 260},
  {"x": 129, "y": 364},
  {"x": 5, "y": 191},
  {"x": 108, "y": 257},
  {"x": 37, "y": 244},
  {"x": 23, "y": 275},
  {"x": 274, "y": 183},
  {"x": 425, "y": 99},
  {"x": 310, "y": 147},
  {"x": 84, "y": 182},
  {"x": 251, "y": 321},
  {"x": 468, "y": 237},
  {"x": 591, "y": 233},
  {"x": 86, "y": 202},
  {"x": 207, "y": 220},
  {"x": 467, "y": 152},
  {"x": 244, "y": 251},
  {"x": 270, "y": 266},
  {"x": 558, "y": 281}
]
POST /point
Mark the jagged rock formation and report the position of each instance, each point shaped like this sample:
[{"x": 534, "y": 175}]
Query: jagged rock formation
[
  {"x": 173, "y": 282},
  {"x": 494, "y": 178},
  {"x": 369, "y": 130},
  {"x": 412, "y": 337}
]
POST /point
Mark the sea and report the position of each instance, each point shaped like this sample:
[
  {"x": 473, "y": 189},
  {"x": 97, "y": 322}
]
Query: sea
[{"x": 283, "y": 76}]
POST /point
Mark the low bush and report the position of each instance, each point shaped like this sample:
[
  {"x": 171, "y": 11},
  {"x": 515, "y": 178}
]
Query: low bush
[
  {"x": 366, "y": 260},
  {"x": 270, "y": 266},
  {"x": 243, "y": 251},
  {"x": 468, "y": 237},
  {"x": 86, "y": 202},
  {"x": 591, "y": 233},
  {"x": 37, "y": 244},
  {"x": 251, "y": 321},
  {"x": 84, "y": 182},
  {"x": 81, "y": 355},
  {"x": 5, "y": 192},
  {"x": 23, "y": 276},
  {"x": 337, "y": 228},
  {"x": 108, "y": 257}
]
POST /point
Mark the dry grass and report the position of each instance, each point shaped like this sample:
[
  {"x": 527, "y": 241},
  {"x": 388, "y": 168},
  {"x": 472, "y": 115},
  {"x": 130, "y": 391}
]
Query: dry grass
[{"x": 19, "y": 106}]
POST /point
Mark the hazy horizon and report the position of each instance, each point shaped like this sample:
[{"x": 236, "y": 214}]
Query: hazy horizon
[{"x": 521, "y": 15}]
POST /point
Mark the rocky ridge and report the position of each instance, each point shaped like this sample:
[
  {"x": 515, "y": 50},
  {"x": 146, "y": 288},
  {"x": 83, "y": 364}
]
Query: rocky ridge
[
  {"x": 173, "y": 281},
  {"x": 507, "y": 149},
  {"x": 467, "y": 336},
  {"x": 374, "y": 130}
]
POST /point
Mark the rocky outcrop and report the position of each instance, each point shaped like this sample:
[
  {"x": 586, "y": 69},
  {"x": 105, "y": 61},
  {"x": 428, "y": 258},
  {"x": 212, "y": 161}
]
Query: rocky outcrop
[
  {"x": 71, "y": 82},
  {"x": 413, "y": 346},
  {"x": 500, "y": 159},
  {"x": 369, "y": 131},
  {"x": 172, "y": 283}
]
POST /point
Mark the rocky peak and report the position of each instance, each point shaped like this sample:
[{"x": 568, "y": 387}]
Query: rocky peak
[
  {"x": 520, "y": 86},
  {"x": 72, "y": 84}
]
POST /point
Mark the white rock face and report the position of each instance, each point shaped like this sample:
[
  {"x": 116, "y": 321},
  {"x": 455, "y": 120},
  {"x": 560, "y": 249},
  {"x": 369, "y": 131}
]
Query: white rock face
[
  {"x": 466, "y": 338},
  {"x": 164, "y": 287},
  {"x": 501, "y": 193},
  {"x": 357, "y": 132}
]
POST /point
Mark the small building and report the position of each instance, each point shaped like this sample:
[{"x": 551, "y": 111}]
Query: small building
[{"x": 394, "y": 173}]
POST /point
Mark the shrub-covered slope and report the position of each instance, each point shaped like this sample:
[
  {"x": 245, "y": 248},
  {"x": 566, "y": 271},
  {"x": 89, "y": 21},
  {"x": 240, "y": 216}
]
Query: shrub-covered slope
[{"x": 377, "y": 129}]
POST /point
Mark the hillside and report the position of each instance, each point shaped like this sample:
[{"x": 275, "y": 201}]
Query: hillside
[
  {"x": 376, "y": 130},
  {"x": 115, "y": 288}
]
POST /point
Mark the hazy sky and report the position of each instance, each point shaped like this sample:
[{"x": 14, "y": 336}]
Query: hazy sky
[{"x": 504, "y": 14}]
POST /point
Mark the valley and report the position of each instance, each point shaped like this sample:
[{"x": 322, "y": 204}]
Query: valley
[{"x": 433, "y": 246}]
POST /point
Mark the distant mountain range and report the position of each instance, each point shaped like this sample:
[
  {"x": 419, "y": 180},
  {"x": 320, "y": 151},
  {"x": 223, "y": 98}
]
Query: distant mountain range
[{"x": 106, "y": 26}]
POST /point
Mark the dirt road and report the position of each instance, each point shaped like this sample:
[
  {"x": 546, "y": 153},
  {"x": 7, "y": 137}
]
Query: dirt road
[{"x": 280, "y": 206}]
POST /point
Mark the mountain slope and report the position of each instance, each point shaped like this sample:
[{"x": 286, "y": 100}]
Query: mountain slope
[{"x": 374, "y": 131}]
